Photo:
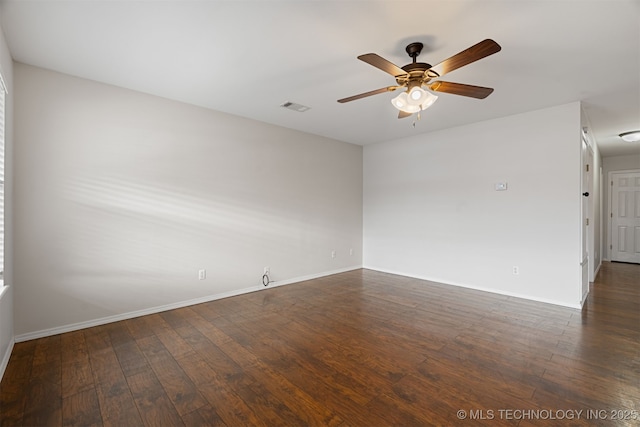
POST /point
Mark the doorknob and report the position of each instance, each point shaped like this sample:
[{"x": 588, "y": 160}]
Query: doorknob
[{"x": 585, "y": 194}]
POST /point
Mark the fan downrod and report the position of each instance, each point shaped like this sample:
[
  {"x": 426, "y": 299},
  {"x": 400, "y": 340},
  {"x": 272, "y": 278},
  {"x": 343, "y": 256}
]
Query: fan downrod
[{"x": 414, "y": 49}]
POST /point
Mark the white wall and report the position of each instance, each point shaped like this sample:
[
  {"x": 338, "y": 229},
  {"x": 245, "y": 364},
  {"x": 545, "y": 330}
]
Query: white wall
[
  {"x": 431, "y": 211},
  {"x": 6, "y": 297},
  {"x": 611, "y": 164},
  {"x": 122, "y": 197}
]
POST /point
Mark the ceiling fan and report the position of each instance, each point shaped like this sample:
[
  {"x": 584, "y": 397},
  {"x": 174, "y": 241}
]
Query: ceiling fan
[{"x": 418, "y": 74}]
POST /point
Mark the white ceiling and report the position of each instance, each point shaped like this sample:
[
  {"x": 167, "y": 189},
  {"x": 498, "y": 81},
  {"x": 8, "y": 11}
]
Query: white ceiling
[{"x": 249, "y": 57}]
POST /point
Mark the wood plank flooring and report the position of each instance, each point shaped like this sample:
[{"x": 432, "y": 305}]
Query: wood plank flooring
[{"x": 361, "y": 348}]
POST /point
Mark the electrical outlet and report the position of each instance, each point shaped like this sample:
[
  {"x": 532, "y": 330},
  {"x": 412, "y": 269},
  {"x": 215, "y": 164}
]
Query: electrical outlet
[
  {"x": 516, "y": 270},
  {"x": 202, "y": 274},
  {"x": 351, "y": 252},
  {"x": 333, "y": 254}
]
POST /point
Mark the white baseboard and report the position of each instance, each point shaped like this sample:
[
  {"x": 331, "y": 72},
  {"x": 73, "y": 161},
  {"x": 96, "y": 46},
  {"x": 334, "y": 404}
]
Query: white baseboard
[
  {"x": 595, "y": 273},
  {"x": 153, "y": 310},
  {"x": 479, "y": 288},
  {"x": 5, "y": 358}
]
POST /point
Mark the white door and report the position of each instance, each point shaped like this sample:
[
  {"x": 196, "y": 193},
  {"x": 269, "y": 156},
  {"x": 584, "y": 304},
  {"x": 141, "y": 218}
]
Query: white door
[
  {"x": 625, "y": 217},
  {"x": 587, "y": 156}
]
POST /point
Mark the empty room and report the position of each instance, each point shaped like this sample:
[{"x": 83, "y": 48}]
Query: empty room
[{"x": 319, "y": 213}]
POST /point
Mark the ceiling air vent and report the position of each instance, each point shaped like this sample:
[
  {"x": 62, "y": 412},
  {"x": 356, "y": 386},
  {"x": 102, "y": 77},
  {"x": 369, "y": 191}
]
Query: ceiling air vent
[{"x": 295, "y": 107}]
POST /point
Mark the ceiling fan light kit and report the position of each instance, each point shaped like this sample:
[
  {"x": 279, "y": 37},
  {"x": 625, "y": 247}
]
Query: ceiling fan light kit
[
  {"x": 409, "y": 103},
  {"x": 416, "y": 75},
  {"x": 632, "y": 136}
]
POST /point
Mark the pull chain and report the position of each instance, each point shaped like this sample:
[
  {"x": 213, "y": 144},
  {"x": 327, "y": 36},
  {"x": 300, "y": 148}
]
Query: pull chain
[{"x": 417, "y": 118}]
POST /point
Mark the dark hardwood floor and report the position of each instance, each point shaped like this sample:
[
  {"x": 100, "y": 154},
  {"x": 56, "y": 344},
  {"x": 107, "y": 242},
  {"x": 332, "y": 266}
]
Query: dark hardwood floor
[{"x": 361, "y": 348}]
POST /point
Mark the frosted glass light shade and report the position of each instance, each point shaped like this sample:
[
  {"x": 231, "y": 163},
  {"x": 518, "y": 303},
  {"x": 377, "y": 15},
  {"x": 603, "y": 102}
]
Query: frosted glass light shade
[
  {"x": 429, "y": 100},
  {"x": 417, "y": 95},
  {"x": 414, "y": 100},
  {"x": 632, "y": 136},
  {"x": 401, "y": 102}
]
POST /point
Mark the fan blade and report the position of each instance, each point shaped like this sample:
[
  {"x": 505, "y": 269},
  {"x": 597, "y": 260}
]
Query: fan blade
[
  {"x": 403, "y": 114},
  {"x": 461, "y": 89},
  {"x": 478, "y": 51},
  {"x": 364, "y": 95},
  {"x": 381, "y": 63}
]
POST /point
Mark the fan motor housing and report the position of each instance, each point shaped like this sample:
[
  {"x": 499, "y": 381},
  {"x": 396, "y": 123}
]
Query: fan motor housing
[
  {"x": 418, "y": 73},
  {"x": 417, "y": 66}
]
